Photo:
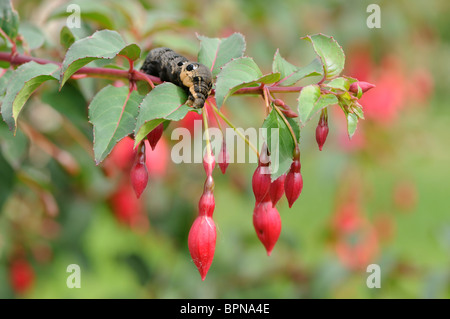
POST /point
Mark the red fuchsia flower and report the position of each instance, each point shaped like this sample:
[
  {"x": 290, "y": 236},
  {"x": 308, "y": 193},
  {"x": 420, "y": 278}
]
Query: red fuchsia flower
[
  {"x": 202, "y": 243},
  {"x": 322, "y": 129},
  {"x": 267, "y": 223},
  {"x": 365, "y": 86},
  {"x": 21, "y": 276},
  {"x": 276, "y": 190},
  {"x": 155, "y": 135},
  {"x": 224, "y": 158},
  {"x": 261, "y": 177},
  {"x": 293, "y": 184},
  {"x": 209, "y": 162},
  {"x": 139, "y": 174}
]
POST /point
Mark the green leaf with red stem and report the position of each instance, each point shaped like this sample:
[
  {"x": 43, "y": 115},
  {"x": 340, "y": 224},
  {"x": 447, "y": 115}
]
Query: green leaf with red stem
[
  {"x": 215, "y": 52},
  {"x": 291, "y": 74},
  {"x": 113, "y": 113},
  {"x": 330, "y": 53},
  {"x": 310, "y": 102},
  {"x": 240, "y": 73},
  {"x": 23, "y": 82},
  {"x": 9, "y": 20},
  {"x": 104, "y": 44},
  {"x": 164, "y": 102},
  {"x": 281, "y": 145}
]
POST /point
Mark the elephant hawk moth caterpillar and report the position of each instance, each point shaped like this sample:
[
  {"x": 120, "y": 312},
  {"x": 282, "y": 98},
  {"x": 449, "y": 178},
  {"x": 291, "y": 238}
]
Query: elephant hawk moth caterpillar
[{"x": 169, "y": 66}]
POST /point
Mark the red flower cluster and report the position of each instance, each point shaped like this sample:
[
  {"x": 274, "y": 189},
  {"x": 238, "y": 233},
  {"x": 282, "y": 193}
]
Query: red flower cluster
[{"x": 266, "y": 219}]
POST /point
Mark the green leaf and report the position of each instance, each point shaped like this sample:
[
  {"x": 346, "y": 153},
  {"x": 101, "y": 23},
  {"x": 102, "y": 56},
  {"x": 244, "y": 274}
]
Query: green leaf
[
  {"x": 282, "y": 66},
  {"x": 24, "y": 81},
  {"x": 9, "y": 19},
  {"x": 308, "y": 97},
  {"x": 290, "y": 74},
  {"x": 339, "y": 84},
  {"x": 281, "y": 145},
  {"x": 33, "y": 35},
  {"x": 66, "y": 37},
  {"x": 104, "y": 44},
  {"x": 4, "y": 80},
  {"x": 357, "y": 110},
  {"x": 330, "y": 53},
  {"x": 352, "y": 122},
  {"x": 113, "y": 117},
  {"x": 132, "y": 51},
  {"x": 311, "y": 102},
  {"x": 240, "y": 73},
  {"x": 164, "y": 102},
  {"x": 14, "y": 148},
  {"x": 215, "y": 52}
]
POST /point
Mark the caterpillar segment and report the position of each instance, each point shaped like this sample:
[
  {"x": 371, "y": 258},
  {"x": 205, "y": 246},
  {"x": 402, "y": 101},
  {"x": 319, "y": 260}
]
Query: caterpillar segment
[{"x": 169, "y": 66}]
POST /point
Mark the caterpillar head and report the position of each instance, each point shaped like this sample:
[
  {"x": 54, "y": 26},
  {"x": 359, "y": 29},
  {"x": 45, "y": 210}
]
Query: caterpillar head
[{"x": 198, "y": 79}]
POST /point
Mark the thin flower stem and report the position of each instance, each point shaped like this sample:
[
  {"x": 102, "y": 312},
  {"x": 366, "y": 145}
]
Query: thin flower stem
[
  {"x": 286, "y": 122},
  {"x": 234, "y": 128},
  {"x": 205, "y": 124}
]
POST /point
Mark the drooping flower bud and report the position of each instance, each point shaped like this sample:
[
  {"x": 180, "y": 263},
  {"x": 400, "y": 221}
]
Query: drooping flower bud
[
  {"x": 365, "y": 86},
  {"x": 224, "y": 158},
  {"x": 293, "y": 184},
  {"x": 209, "y": 162},
  {"x": 155, "y": 135},
  {"x": 139, "y": 174},
  {"x": 322, "y": 129},
  {"x": 277, "y": 189},
  {"x": 202, "y": 243},
  {"x": 206, "y": 204},
  {"x": 267, "y": 223}
]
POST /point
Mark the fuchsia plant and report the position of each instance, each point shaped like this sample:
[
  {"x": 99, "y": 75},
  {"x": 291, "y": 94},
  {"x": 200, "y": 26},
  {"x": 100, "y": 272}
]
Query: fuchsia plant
[{"x": 143, "y": 109}]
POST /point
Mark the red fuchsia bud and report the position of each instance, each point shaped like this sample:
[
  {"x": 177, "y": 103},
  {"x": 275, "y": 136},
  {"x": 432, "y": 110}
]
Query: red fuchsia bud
[
  {"x": 279, "y": 102},
  {"x": 206, "y": 204},
  {"x": 202, "y": 243},
  {"x": 293, "y": 184},
  {"x": 289, "y": 113},
  {"x": 261, "y": 183},
  {"x": 277, "y": 189},
  {"x": 139, "y": 174},
  {"x": 267, "y": 223},
  {"x": 322, "y": 129},
  {"x": 21, "y": 276},
  {"x": 209, "y": 162},
  {"x": 365, "y": 86},
  {"x": 155, "y": 135},
  {"x": 224, "y": 158}
]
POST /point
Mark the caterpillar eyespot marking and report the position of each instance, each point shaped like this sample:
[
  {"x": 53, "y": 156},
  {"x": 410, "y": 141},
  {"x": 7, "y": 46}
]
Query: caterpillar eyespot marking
[{"x": 169, "y": 66}]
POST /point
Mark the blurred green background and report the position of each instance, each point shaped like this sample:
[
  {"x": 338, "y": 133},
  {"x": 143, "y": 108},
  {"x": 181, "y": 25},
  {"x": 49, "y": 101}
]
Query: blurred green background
[{"x": 379, "y": 198}]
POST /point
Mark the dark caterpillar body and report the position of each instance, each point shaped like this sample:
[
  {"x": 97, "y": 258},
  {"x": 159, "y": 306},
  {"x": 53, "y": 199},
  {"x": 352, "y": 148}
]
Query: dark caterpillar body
[{"x": 171, "y": 67}]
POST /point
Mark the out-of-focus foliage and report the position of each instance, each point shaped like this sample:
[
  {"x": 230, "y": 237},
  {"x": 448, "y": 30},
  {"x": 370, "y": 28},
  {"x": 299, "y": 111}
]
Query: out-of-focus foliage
[{"x": 380, "y": 198}]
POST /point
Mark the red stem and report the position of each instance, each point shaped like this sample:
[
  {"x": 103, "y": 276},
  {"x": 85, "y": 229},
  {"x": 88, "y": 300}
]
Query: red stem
[{"x": 136, "y": 75}]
